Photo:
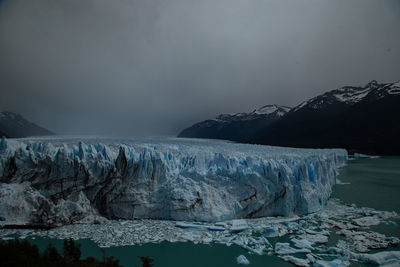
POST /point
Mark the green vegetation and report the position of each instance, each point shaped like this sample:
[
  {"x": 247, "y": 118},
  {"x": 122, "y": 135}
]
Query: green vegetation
[{"x": 16, "y": 253}]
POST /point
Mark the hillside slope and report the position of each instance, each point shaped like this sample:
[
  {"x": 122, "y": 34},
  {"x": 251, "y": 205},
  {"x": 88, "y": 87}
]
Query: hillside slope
[{"x": 15, "y": 126}]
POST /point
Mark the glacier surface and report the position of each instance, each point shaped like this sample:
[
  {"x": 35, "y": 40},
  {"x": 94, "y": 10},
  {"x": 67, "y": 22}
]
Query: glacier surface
[{"x": 57, "y": 181}]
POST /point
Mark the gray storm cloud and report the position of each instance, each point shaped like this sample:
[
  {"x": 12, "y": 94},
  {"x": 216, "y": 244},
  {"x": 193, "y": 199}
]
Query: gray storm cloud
[{"x": 130, "y": 67}]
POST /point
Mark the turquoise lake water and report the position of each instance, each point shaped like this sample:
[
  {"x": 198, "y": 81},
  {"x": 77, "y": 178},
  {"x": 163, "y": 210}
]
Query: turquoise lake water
[{"x": 374, "y": 183}]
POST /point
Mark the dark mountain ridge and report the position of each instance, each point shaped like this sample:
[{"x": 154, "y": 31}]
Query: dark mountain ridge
[
  {"x": 238, "y": 126},
  {"x": 13, "y": 125},
  {"x": 361, "y": 119}
]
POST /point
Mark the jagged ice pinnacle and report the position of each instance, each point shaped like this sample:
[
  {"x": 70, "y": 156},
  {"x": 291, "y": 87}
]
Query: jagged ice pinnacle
[{"x": 58, "y": 181}]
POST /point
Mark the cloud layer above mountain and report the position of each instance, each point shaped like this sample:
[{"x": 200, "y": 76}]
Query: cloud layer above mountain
[{"x": 133, "y": 67}]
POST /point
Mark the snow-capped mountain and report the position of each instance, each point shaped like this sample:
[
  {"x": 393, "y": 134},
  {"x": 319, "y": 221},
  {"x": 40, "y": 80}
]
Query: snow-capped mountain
[
  {"x": 351, "y": 95},
  {"x": 15, "y": 126},
  {"x": 236, "y": 126},
  {"x": 364, "y": 119},
  {"x": 272, "y": 111},
  {"x": 361, "y": 119}
]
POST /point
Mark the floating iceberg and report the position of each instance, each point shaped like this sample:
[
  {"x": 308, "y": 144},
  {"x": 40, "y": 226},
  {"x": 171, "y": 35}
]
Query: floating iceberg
[
  {"x": 65, "y": 180},
  {"x": 359, "y": 155},
  {"x": 296, "y": 261},
  {"x": 303, "y": 243},
  {"x": 238, "y": 226},
  {"x": 334, "y": 263},
  {"x": 241, "y": 259},
  {"x": 385, "y": 258},
  {"x": 285, "y": 248}
]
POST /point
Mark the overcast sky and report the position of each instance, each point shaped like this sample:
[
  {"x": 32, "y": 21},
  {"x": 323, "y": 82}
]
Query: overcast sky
[{"x": 134, "y": 67}]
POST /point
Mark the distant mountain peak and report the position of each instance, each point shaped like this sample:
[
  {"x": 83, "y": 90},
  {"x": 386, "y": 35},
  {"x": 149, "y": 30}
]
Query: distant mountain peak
[
  {"x": 238, "y": 125},
  {"x": 15, "y": 126},
  {"x": 264, "y": 111},
  {"x": 9, "y": 114},
  {"x": 372, "y": 83},
  {"x": 351, "y": 95}
]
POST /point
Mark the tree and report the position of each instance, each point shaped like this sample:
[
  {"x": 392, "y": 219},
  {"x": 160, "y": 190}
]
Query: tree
[
  {"x": 51, "y": 253},
  {"x": 146, "y": 261},
  {"x": 71, "y": 251},
  {"x": 16, "y": 253}
]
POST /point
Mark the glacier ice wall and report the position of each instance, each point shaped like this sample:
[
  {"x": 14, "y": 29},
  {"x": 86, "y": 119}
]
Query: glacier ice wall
[{"x": 63, "y": 180}]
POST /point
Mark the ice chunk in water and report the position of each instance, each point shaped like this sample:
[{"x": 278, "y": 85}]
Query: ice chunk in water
[{"x": 241, "y": 259}]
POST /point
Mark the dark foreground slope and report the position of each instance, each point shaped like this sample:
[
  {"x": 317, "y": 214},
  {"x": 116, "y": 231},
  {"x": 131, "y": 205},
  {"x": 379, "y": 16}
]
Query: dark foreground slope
[{"x": 15, "y": 126}]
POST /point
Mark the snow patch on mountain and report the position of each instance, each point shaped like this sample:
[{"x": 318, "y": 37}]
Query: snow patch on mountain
[
  {"x": 269, "y": 109},
  {"x": 351, "y": 95},
  {"x": 264, "y": 111},
  {"x": 394, "y": 88}
]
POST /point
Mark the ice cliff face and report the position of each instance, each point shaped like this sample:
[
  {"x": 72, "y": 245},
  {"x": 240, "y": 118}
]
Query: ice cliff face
[{"x": 61, "y": 181}]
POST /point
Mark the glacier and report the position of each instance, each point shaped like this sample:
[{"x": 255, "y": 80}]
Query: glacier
[{"x": 63, "y": 180}]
